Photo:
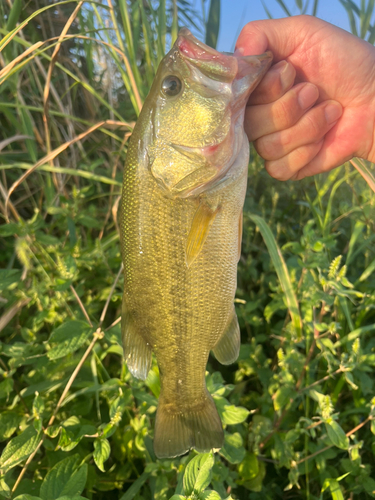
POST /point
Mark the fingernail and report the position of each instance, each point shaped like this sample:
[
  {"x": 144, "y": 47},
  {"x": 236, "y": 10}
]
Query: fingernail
[
  {"x": 285, "y": 72},
  {"x": 239, "y": 51},
  {"x": 332, "y": 112},
  {"x": 307, "y": 95}
]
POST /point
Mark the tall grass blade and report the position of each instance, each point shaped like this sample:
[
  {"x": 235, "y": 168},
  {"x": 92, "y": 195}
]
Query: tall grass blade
[
  {"x": 85, "y": 174},
  {"x": 269, "y": 15},
  {"x": 315, "y": 7},
  {"x": 356, "y": 233},
  {"x": 213, "y": 24},
  {"x": 9, "y": 36},
  {"x": 282, "y": 272},
  {"x": 47, "y": 158},
  {"x": 14, "y": 15},
  {"x": 151, "y": 60},
  {"x": 128, "y": 76},
  {"x": 371, "y": 38},
  {"x": 364, "y": 169},
  {"x": 284, "y": 7},
  {"x": 349, "y": 10},
  {"x": 162, "y": 29},
  {"x": 130, "y": 44},
  {"x": 367, "y": 272},
  {"x": 174, "y": 32},
  {"x": 366, "y": 18},
  {"x": 328, "y": 214}
]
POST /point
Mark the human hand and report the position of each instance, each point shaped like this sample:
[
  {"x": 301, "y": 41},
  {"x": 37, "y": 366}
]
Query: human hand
[{"x": 315, "y": 108}]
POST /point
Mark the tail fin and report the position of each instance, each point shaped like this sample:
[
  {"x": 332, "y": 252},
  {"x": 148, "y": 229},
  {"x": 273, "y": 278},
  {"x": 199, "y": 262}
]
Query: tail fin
[{"x": 176, "y": 431}]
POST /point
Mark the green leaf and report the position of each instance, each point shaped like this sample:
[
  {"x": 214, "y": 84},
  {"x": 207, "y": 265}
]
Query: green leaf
[
  {"x": 67, "y": 338},
  {"x": 282, "y": 272},
  {"x": 209, "y": 495},
  {"x": 9, "y": 423},
  {"x": 198, "y": 473},
  {"x": 6, "y": 387},
  {"x": 14, "y": 15},
  {"x": 256, "y": 483},
  {"x": 102, "y": 450},
  {"x": 282, "y": 397},
  {"x": 334, "y": 488},
  {"x": 5, "y": 490},
  {"x": 68, "y": 497},
  {"x": 233, "y": 449},
  {"x": 213, "y": 24},
  {"x": 337, "y": 435},
  {"x": 249, "y": 467},
  {"x": 230, "y": 414},
  {"x": 8, "y": 277},
  {"x": 153, "y": 382},
  {"x": 135, "y": 487},
  {"x": 64, "y": 479},
  {"x": 27, "y": 497},
  {"x": 19, "y": 448},
  {"x": 9, "y": 229}
]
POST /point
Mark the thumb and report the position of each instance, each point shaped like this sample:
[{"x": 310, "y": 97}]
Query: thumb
[{"x": 281, "y": 36}]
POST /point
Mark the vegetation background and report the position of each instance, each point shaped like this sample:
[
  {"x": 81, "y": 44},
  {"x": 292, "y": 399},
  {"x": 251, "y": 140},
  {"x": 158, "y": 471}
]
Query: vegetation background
[{"x": 298, "y": 407}]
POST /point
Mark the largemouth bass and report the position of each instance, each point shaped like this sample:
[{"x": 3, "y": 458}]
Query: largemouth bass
[{"x": 181, "y": 225}]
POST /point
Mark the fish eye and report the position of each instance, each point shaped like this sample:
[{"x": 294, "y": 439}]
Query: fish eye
[{"x": 171, "y": 86}]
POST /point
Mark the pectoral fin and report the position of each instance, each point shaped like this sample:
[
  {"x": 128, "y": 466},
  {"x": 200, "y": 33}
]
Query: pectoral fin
[
  {"x": 227, "y": 349},
  {"x": 136, "y": 350},
  {"x": 200, "y": 227}
]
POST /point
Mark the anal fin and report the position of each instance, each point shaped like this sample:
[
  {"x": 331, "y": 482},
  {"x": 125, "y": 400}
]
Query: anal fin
[
  {"x": 200, "y": 227},
  {"x": 227, "y": 349},
  {"x": 136, "y": 350}
]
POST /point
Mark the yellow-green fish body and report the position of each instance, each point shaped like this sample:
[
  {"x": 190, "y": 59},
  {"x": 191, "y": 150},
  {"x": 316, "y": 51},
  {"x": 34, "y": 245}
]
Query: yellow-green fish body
[{"x": 181, "y": 223}]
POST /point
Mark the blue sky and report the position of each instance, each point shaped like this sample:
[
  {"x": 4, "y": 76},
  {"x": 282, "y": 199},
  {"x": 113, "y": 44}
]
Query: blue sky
[{"x": 236, "y": 13}]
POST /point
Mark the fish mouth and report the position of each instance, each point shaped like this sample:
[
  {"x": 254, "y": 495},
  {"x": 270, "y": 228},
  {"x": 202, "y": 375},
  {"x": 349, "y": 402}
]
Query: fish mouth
[
  {"x": 222, "y": 66},
  {"x": 209, "y": 61}
]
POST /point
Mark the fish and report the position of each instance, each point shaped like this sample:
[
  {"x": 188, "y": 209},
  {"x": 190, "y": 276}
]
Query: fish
[{"x": 183, "y": 192}]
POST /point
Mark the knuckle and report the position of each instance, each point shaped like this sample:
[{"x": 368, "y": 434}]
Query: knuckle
[
  {"x": 278, "y": 170},
  {"x": 314, "y": 126},
  {"x": 267, "y": 148},
  {"x": 284, "y": 114},
  {"x": 305, "y": 154}
]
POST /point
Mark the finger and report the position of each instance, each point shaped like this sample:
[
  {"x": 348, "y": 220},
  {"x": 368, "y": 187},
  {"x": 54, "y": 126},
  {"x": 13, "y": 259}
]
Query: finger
[
  {"x": 277, "y": 81},
  {"x": 281, "y": 36},
  {"x": 266, "y": 119},
  {"x": 344, "y": 141},
  {"x": 287, "y": 167},
  {"x": 312, "y": 127}
]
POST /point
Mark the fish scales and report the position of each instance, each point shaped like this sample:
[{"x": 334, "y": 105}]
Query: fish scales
[{"x": 180, "y": 219}]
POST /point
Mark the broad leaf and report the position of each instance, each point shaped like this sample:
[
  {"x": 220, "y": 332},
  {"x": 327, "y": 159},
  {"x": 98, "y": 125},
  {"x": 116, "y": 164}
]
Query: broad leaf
[
  {"x": 67, "y": 338},
  {"x": 9, "y": 423},
  {"x": 102, "y": 450},
  {"x": 337, "y": 435},
  {"x": 64, "y": 479},
  {"x": 233, "y": 449},
  {"x": 9, "y": 276},
  {"x": 19, "y": 448},
  {"x": 230, "y": 414},
  {"x": 198, "y": 473}
]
